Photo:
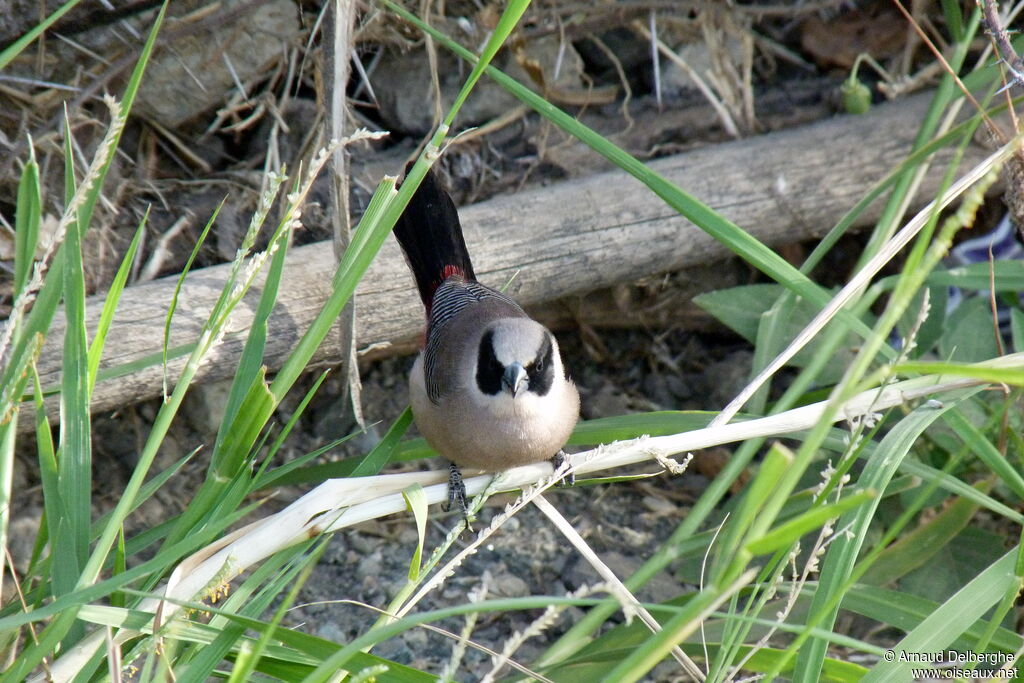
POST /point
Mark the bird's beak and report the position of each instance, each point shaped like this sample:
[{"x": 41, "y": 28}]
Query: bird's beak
[{"x": 514, "y": 379}]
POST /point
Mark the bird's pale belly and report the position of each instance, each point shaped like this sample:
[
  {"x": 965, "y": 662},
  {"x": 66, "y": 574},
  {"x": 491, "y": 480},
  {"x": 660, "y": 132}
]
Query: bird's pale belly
[{"x": 489, "y": 440}]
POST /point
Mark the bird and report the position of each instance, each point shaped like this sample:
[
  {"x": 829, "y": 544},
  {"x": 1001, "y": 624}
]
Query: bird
[{"x": 489, "y": 390}]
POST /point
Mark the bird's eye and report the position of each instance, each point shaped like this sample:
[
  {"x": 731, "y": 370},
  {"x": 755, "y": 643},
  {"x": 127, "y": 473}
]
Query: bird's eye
[{"x": 539, "y": 365}]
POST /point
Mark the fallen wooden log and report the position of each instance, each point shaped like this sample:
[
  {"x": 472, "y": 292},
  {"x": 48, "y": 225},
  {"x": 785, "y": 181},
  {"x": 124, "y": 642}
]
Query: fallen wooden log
[{"x": 562, "y": 240}]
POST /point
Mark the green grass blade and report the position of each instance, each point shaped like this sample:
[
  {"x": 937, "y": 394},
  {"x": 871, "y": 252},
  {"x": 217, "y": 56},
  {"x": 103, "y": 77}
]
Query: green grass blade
[
  {"x": 918, "y": 547},
  {"x": 7, "y": 443},
  {"x": 279, "y": 574},
  {"x": 47, "y": 457},
  {"x": 1001, "y": 612},
  {"x": 297, "y": 646},
  {"x": 842, "y": 552},
  {"x": 28, "y": 211},
  {"x": 986, "y": 452},
  {"x": 75, "y": 475},
  {"x": 74, "y": 455},
  {"x": 383, "y": 451},
  {"x": 293, "y": 472},
  {"x": 19, "y": 45},
  {"x": 749, "y": 519},
  {"x": 906, "y": 612},
  {"x": 290, "y": 424},
  {"x": 951, "y": 619},
  {"x": 1017, "y": 329},
  {"x": 14, "y": 376},
  {"x": 110, "y": 302},
  {"x": 960, "y": 488},
  {"x": 214, "y": 492},
  {"x": 786, "y": 534},
  {"x": 642, "y": 659},
  {"x": 954, "y": 18},
  {"x": 369, "y": 236},
  {"x": 70, "y": 182},
  {"x": 154, "y": 359},
  {"x": 252, "y": 354},
  {"x": 506, "y": 24},
  {"x": 240, "y": 674},
  {"x": 416, "y": 501},
  {"x": 29, "y": 336},
  {"x": 27, "y": 216},
  {"x": 655, "y": 423},
  {"x": 177, "y": 290},
  {"x": 1013, "y": 376},
  {"x": 117, "y": 599},
  {"x": 1007, "y": 276},
  {"x": 85, "y": 213}
]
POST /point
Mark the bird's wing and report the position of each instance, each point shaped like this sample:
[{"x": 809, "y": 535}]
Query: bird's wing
[{"x": 461, "y": 311}]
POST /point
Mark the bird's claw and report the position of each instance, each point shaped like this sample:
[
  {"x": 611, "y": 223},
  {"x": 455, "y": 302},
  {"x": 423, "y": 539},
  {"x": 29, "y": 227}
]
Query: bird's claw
[
  {"x": 456, "y": 490},
  {"x": 556, "y": 462}
]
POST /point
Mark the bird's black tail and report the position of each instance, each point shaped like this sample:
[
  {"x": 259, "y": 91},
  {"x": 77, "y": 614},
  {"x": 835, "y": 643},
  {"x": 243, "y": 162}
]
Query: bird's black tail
[{"x": 431, "y": 237}]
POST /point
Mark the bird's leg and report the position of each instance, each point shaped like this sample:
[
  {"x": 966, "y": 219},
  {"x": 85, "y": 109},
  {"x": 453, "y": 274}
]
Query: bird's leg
[
  {"x": 557, "y": 461},
  {"x": 456, "y": 490}
]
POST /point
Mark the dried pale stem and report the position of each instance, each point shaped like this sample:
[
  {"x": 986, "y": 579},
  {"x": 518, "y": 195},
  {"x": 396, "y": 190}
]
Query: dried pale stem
[{"x": 630, "y": 605}]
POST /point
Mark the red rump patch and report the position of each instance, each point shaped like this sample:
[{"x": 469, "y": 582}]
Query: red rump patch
[
  {"x": 450, "y": 271},
  {"x": 446, "y": 272}
]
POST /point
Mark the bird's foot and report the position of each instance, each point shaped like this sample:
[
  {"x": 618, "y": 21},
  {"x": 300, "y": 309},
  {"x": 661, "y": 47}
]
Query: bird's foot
[
  {"x": 556, "y": 462},
  {"x": 456, "y": 490}
]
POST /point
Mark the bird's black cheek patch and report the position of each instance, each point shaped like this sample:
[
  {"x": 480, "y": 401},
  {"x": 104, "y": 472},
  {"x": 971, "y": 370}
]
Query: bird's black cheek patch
[
  {"x": 542, "y": 371},
  {"x": 488, "y": 369}
]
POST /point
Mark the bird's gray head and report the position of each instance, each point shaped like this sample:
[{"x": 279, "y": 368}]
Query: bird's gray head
[{"x": 517, "y": 356}]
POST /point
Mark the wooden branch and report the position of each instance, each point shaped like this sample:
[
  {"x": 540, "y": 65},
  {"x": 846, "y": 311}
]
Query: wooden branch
[{"x": 558, "y": 241}]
